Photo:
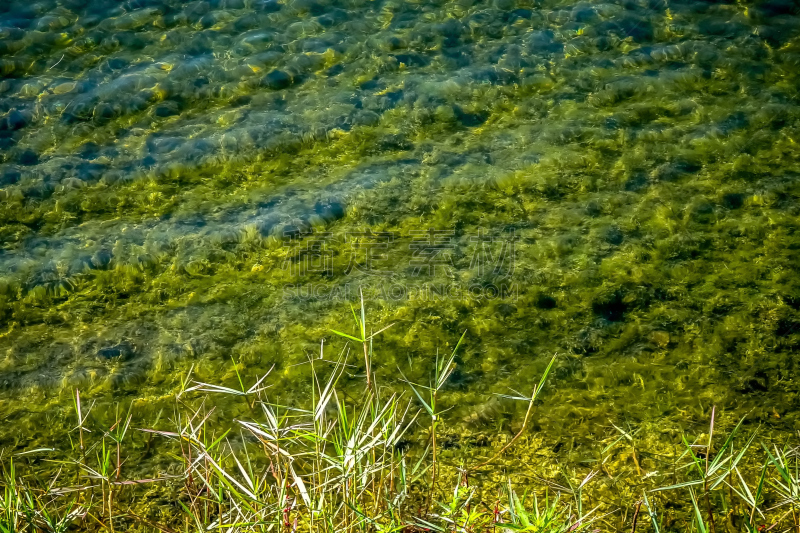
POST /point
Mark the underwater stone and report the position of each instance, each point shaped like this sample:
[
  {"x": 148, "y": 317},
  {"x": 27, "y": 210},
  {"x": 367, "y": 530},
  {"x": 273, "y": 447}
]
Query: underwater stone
[
  {"x": 330, "y": 210},
  {"x": 15, "y": 120},
  {"x": 80, "y": 109},
  {"x": 733, "y": 122},
  {"x": 228, "y": 4},
  {"x": 641, "y": 30},
  {"x": 366, "y": 118},
  {"x": 129, "y": 5},
  {"x": 675, "y": 170},
  {"x": 506, "y": 310},
  {"x": 9, "y": 176},
  {"x": 6, "y": 143},
  {"x": 89, "y": 171},
  {"x": 518, "y": 14},
  {"x": 135, "y": 103},
  {"x": 403, "y": 20},
  {"x": 459, "y": 57},
  {"x": 594, "y": 209},
  {"x": 89, "y": 150},
  {"x": 19, "y": 23},
  {"x": 703, "y": 212},
  {"x": 123, "y": 351},
  {"x": 715, "y": 26},
  {"x": 166, "y": 109},
  {"x": 412, "y": 60},
  {"x": 264, "y": 58},
  {"x": 584, "y": 13},
  {"x": 452, "y": 31},
  {"x": 370, "y": 85},
  {"x": 320, "y": 46},
  {"x": 162, "y": 145},
  {"x": 775, "y": 36},
  {"x": 495, "y": 76},
  {"x": 774, "y": 8},
  {"x": 10, "y": 33},
  {"x": 39, "y": 191},
  {"x": 28, "y": 157},
  {"x": 104, "y": 112},
  {"x": 393, "y": 43},
  {"x": 614, "y": 236},
  {"x": 246, "y": 22},
  {"x": 303, "y": 64},
  {"x": 395, "y": 142},
  {"x": 208, "y": 20},
  {"x": 101, "y": 259},
  {"x": 195, "y": 10},
  {"x": 335, "y": 70},
  {"x": 277, "y": 80},
  {"x": 636, "y": 182},
  {"x": 587, "y": 341},
  {"x": 470, "y": 120},
  {"x": 543, "y": 41},
  {"x": 333, "y": 17},
  {"x": 267, "y": 6},
  {"x": 504, "y": 5}
]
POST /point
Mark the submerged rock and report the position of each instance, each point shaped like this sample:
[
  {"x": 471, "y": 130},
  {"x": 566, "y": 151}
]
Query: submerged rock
[
  {"x": 277, "y": 79},
  {"x": 122, "y": 351}
]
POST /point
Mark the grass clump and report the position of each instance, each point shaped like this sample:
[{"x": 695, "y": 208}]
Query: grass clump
[
  {"x": 371, "y": 462},
  {"x": 339, "y": 463}
]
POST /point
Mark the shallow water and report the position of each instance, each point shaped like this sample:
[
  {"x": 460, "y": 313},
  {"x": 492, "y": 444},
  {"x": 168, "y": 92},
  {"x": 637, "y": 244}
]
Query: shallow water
[{"x": 187, "y": 183}]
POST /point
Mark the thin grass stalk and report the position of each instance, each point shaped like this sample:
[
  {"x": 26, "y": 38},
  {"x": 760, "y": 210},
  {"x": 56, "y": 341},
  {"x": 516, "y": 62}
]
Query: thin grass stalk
[{"x": 705, "y": 478}]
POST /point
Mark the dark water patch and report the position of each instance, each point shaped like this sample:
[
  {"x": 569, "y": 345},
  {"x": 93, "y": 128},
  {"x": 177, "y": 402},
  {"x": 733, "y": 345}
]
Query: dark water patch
[
  {"x": 611, "y": 307},
  {"x": 546, "y": 302},
  {"x": 733, "y": 200}
]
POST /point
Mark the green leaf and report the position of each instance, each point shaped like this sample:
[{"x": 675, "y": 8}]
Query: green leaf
[
  {"x": 346, "y": 336},
  {"x": 735, "y": 461},
  {"x": 701, "y": 526},
  {"x": 679, "y": 485},
  {"x": 544, "y": 376},
  {"x": 428, "y": 408},
  {"x": 651, "y": 512}
]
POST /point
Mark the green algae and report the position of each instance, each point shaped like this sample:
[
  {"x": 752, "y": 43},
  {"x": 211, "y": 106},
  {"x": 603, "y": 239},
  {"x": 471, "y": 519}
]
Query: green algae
[{"x": 183, "y": 183}]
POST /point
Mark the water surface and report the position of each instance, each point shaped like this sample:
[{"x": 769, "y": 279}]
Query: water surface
[{"x": 187, "y": 184}]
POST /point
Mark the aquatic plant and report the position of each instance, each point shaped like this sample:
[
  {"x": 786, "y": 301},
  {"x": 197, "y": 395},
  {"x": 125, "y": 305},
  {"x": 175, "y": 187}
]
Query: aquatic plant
[
  {"x": 167, "y": 168},
  {"x": 369, "y": 462},
  {"x": 334, "y": 465}
]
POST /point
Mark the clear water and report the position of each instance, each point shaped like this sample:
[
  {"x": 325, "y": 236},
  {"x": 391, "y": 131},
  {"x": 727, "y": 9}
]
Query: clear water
[{"x": 187, "y": 183}]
